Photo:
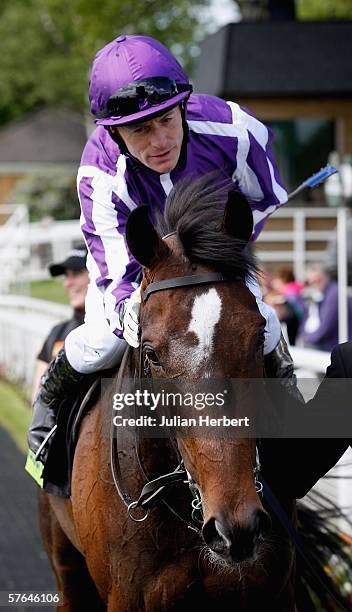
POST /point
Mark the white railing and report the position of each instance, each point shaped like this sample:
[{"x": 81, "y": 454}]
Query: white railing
[
  {"x": 299, "y": 236},
  {"x": 24, "y": 325},
  {"x": 299, "y": 255},
  {"x": 49, "y": 241},
  {"x": 14, "y": 248},
  {"x": 26, "y": 248}
]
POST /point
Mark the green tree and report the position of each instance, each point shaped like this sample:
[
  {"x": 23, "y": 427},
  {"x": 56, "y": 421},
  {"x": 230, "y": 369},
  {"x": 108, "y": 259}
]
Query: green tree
[
  {"x": 48, "y": 193},
  {"x": 305, "y": 9},
  {"x": 324, "y": 9},
  {"x": 47, "y": 46}
]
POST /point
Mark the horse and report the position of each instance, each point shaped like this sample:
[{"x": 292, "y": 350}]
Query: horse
[{"x": 198, "y": 321}]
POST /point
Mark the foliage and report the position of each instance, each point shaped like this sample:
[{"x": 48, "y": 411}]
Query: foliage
[
  {"x": 324, "y": 9},
  {"x": 47, "y": 46},
  {"x": 48, "y": 193},
  {"x": 305, "y": 9}
]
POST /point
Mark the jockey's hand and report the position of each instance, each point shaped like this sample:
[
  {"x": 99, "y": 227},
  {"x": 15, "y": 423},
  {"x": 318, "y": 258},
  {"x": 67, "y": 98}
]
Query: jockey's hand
[{"x": 130, "y": 318}]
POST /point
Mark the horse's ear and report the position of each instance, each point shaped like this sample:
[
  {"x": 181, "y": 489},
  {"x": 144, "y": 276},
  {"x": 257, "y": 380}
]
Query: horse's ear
[
  {"x": 238, "y": 217},
  {"x": 143, "y": 241}
]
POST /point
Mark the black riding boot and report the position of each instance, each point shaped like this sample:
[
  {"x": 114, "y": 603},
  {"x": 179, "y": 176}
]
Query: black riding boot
[
  {"x": 278, "y": 453},
  {"x": 279, "y": 364},
  {"x": 57, "y": 383}
]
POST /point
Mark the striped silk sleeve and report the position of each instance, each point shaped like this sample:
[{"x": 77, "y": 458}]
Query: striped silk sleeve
[
  {"x": 103, "y": 221},
  {"x": 257, "y": 174}
]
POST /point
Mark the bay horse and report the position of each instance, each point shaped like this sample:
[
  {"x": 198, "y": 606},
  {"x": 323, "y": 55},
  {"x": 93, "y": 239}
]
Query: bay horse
[{"x": 206, "y": 326}]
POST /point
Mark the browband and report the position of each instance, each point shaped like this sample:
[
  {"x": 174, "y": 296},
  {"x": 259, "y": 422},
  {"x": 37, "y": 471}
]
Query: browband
[{"x": 184, "y": 281}]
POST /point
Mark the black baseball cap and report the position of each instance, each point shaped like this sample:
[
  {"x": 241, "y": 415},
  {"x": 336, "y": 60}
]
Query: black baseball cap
[{"x": 75, "y": 260}]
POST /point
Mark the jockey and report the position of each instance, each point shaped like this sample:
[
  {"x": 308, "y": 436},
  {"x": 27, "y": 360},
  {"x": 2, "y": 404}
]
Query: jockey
[{"x": 151, "y": 132}]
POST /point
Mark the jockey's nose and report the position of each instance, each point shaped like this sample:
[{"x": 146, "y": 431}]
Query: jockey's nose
[
  {"x": 237, "y": 541},
  {"x": 159, "y": 138}
]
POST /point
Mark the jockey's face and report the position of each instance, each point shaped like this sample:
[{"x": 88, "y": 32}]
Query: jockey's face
[
  {"x": 156, "y": 143},
  {"x": 76, "y": 285}
]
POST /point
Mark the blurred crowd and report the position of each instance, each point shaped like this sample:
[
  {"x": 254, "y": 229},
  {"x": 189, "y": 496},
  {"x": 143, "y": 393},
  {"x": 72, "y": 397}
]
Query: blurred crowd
[{"x": 307, "y": 308}]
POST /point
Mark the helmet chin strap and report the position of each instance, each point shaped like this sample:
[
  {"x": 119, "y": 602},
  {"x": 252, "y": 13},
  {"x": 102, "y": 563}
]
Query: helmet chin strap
[
  {"x": 118, "y": 139},
  {"x": 122, "y": 145}
]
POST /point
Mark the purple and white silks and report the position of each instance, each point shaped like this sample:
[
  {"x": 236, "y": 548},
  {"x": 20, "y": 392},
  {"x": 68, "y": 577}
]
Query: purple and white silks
[{"x": 222, "y": 136}]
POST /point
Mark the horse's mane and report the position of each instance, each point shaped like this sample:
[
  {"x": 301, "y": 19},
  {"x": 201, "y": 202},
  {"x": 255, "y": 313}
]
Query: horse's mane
[{"x": 194, "y": 209}]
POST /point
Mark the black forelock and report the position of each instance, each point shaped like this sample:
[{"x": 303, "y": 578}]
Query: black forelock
[{"x": 194, "y": 210}]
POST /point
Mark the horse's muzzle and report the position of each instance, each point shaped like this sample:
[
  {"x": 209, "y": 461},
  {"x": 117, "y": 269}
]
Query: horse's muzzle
[{"x": 237, "y": 542}]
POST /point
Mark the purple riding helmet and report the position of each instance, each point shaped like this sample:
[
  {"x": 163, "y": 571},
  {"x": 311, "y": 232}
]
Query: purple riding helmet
[{"x": 134, "y": 78}]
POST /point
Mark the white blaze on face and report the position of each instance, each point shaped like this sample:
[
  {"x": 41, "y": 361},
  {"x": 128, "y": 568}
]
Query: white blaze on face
[{"x": 206, "y": 311}]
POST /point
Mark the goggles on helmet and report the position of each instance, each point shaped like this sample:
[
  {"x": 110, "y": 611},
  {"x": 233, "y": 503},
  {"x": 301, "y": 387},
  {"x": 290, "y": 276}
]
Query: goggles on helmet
[{"x": 140, "y": 95}]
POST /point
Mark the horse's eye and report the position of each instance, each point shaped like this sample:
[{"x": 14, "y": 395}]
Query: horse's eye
[{"x": 152, "y": 356}]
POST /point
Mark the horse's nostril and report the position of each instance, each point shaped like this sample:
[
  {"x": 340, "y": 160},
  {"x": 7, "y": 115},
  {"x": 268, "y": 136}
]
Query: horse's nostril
[
  {"x": 209, "y": 532},
  {"x": 236, "y": 542},
  {"x": 215, "y": 536}
]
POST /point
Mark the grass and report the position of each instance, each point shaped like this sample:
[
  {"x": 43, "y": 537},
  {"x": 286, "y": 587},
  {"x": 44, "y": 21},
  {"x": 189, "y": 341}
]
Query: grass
[
  {"x": 51, "y": 289},
  {"x": 15, "y": 413}
]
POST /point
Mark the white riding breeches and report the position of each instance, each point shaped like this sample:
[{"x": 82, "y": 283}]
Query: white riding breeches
[{"x": 92, "y": 346}]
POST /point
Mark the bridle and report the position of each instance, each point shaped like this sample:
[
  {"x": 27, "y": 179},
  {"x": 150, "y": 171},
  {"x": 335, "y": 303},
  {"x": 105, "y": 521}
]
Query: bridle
[{"x": 154, "y": 489}]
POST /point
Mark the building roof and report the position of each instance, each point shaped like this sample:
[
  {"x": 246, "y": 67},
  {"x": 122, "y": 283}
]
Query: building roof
[
  {"x": 271, "y": 58},
  {"x": 47, "y": 136}
]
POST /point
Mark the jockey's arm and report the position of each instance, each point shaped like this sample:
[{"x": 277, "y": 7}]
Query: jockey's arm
[
  {"x": 110, "y": 264},
  {"x": 258, "y": 178},
  {"x": 257, "y": 174}
]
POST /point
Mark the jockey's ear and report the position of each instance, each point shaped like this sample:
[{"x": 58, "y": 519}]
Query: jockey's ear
[
  {"x": 143, "y": 240},
  {"x": 238, "y": 217}
]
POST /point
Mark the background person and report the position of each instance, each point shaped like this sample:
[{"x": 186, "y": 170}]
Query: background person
[
  {"x": 285, "y": 295},
  {"x": 319, "y": 327},
  {"x": 76, "y": 280}
]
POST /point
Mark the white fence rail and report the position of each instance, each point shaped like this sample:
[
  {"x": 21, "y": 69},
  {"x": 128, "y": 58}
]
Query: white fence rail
[
  {"x": 24, "y": 325},
  {"x": 300, "y": 234},
  {"x": 14, "y": 248},
  {"x": 303, "y": 239},
  {"x": 47, "y": 241}
]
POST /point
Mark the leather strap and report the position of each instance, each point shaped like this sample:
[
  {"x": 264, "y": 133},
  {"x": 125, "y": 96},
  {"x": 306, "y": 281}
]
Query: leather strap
[
  {"x": 185, "y": 281},
  {"x": 154, "y": 488}
]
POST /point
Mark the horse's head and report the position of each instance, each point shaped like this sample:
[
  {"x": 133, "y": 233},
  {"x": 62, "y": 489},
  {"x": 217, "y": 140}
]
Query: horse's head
[{"x": 201, "y": 331}]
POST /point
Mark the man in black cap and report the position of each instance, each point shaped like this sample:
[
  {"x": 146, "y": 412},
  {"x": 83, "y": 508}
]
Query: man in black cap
[{"x": 73, "y": 267}]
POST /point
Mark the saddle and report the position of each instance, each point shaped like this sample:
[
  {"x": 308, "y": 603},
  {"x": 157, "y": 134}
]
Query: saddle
[{"x": 57, "y": 471}]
